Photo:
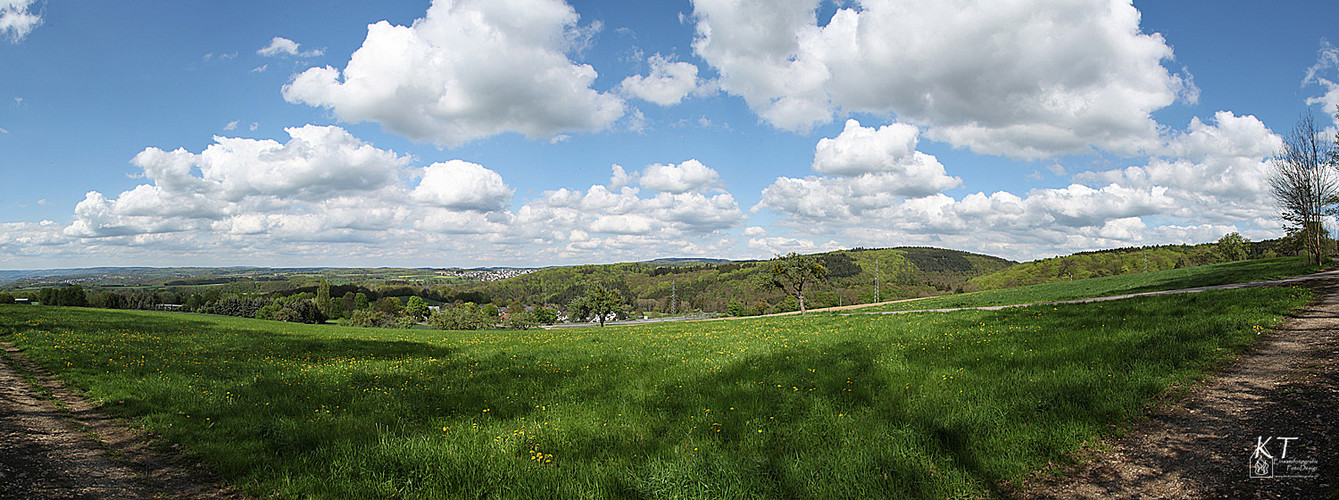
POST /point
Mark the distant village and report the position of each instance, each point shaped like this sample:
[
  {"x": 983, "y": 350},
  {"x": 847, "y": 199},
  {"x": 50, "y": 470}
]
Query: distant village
[{"x": 485, "y": 274}]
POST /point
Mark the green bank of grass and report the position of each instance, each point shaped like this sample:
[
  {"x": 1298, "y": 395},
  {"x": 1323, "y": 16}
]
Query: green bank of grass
[
  {"x": 918, "y": 405},
  {"x": 1171, "y": 279}
]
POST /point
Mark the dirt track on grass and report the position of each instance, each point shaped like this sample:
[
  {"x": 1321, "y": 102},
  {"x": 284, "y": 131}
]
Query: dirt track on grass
[
  {"x": 60, "y": 446},
  {"x": 1201, "y": 445}
]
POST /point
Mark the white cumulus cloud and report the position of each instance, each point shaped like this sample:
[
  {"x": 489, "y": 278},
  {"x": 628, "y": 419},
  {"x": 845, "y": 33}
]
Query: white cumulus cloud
[
  {"x": 281, "y": 46},
  {"x": 1024, "y": 79},
  {"x": 237, "y": 177},
  {"x": 687, "y": 176},
  {"x": 1322, "y": 74},
  {"x": 469, "y": 69},
  {"x": 17, "y": 20},
  {"x": 889, "y": 151},
  {"x": 462, "y": 185},
  {"x": 668, "y": 82}
]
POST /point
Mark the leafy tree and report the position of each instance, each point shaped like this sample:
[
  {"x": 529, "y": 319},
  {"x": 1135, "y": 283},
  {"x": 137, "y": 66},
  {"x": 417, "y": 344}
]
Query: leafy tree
[
  {"x": 360, "y": 301},
  {"x": 323, "y": 298},
  {"x": 792, "y": 273},
  {"x": 350, "y": 302},
  {"x": 237, "y": 306},
  {"x": 73, "y": 295},
  {"x": 599, "y": 302},
  {"x": 389, "y": 305},
  {"x": 520, "y": 320},
  {"x": 288, "y": 315},
  {"x": 1304, "y": 185},
  {"x": 488, "y": 313},
  {"x": 369, "y": 318},
  {"x": 545, "y": 315},
  {"x": 467, "y": 316},
  {"x": 6, "y": 298},
  {"x": 1232, "y": 246},
  {"x": 416, "y": 308},
  {"x": 336, "y": 309},
  {"x": 269, "y": 311}
]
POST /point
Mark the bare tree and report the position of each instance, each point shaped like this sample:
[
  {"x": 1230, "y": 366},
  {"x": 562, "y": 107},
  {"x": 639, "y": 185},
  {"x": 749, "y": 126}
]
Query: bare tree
[{"x": 1305, "y": 186}]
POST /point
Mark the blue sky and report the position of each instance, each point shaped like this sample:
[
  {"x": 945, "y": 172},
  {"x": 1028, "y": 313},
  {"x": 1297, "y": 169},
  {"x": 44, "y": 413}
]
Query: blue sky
[{"x": 540, "y": 132}]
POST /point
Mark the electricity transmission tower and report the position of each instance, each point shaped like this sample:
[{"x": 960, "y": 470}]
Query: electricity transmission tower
[
  {"x": 878, "y": 287},
  {"x": 674, "y": 297}
]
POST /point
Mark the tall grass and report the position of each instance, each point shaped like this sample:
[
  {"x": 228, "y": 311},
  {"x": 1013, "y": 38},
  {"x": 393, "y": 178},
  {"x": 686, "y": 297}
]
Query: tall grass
[
  {"x": 1171, "y": 279},
  {"x": 918, "y": 405}
]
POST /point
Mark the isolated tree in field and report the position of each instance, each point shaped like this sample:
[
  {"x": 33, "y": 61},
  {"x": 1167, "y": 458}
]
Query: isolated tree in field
[
  {"x": 792, "y": 273},
  {"x": 1232, "y": 247},
  {"x": 599, "y": 301},
  {"x": 416, "y": 307},
  {"x": 1305, "y": 186}
]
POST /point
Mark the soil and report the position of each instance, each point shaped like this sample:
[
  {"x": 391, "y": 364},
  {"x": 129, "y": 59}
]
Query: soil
[
  {"x": 55, "y": 444},
  {"x": 1200, "y": 443}
]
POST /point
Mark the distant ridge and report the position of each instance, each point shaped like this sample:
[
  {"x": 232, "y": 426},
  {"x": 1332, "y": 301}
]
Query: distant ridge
[{"x": 690, "y": 260}]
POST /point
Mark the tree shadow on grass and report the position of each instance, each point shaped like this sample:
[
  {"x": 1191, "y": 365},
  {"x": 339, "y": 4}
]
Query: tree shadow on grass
[{"x": 794, "y": 396}]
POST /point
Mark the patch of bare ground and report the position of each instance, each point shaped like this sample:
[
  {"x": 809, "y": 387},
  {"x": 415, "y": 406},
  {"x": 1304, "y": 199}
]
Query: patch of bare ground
[
  {"x": 1202, "y": 443},
  {"x": 56, "y": 444}
]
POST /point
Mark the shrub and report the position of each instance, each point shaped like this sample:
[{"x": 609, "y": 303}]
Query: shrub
[
  {"x": 467, "y": 316},
  {"x": 369, "y": 318},
  {"x": 520, "y": 320}
]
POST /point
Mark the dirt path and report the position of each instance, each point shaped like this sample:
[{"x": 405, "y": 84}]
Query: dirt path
[
  {"x": 1201, "y": 445},
  {"x": 71, "y": 451}
]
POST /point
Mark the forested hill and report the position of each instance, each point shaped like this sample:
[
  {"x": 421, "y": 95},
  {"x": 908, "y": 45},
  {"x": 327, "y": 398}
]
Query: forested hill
[
  {"x": 732, "y": 286},
  {"x": 1118, "y": 261}
]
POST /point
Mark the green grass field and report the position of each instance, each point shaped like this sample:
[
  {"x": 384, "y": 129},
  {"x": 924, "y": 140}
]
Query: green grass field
[
  {"x": 1171, "y": 279},
  {"x": 919, "y": 405}
]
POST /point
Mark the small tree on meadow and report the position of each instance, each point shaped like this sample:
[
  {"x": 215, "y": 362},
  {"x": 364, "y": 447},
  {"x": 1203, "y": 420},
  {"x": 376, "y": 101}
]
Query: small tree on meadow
[
  {"x": 1232, "y": 247},
  {"x": 416, "y": 307},
  {"x": 792, "y": 273},
  {"x": 598, "y": 301}
]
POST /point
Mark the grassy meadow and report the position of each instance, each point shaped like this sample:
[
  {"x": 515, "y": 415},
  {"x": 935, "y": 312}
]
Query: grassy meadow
[
  {"x": 944, "y": 405},
  {"x": 1170, "y": 279}
]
